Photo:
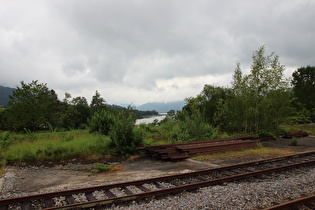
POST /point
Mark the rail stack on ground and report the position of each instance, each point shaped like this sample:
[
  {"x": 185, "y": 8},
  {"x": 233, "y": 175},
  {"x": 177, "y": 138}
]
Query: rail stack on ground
[
  {"x": 180, "y": 151},
  {"x": 296, "y": 134}
]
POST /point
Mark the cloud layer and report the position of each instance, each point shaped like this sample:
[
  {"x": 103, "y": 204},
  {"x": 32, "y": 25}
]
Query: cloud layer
[{"x": 142, "y": 51}]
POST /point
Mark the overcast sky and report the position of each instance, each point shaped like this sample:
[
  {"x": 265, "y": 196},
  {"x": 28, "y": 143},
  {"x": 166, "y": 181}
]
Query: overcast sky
[{"x": 138, "y": 51}]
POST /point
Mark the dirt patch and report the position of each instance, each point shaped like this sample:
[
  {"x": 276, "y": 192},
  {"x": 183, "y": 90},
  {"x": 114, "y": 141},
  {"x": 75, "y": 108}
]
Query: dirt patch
[
  {"x": 305, "y": 144},
  {"x": 42, "y": 179},
  {"x": 61, "y": 177}
]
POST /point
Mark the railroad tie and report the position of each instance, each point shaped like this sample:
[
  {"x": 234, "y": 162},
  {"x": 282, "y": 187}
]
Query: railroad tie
[
  {"x": 127, "y": 191},
  {"x": 143, "y": 188},
  {"x": 90, "y": 196},
  {"x": 109, "y": 194},
  {"x": 70, "y": 199},
  {"x": 202, "y": 178},
  {"x": 49, "y": 202},
  {"x": 159, "y": 185},
  {"x": 26, "y": 205}
]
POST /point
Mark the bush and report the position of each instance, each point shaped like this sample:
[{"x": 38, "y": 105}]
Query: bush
[
  {"x": 125, "y": 137},
  {"x": 100, "y": 167},
  {"x": 294, "y": 142},
  {"x": 101, "y": 122},
  {"x": 5, "y": 139},
  {"x": 192, "y": 128}
]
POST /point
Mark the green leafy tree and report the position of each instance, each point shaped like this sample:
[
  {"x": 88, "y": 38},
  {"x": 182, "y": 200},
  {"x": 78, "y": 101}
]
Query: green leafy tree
[
  {"x": 67, "y": 113},
  {"x": 266, "y": 76},
  {"x": 303, "y": 81},
  {"x": 97, "y": 102},
  {"x": 32, "y": 106},
  {"x": 81, "y": 111},
  {"x": 207, "y": 102},
  {"x": 260, "y": 100}
]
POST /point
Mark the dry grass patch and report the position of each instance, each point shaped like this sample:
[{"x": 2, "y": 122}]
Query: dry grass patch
[
  {"x": 1, "y": 171},
  {"x": 258, "y": 153}
]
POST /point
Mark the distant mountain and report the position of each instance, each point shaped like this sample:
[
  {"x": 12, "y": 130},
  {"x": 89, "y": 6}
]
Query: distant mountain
[
  {"x": 162, "y": 107},
  {"x": 4, "y": 95}
]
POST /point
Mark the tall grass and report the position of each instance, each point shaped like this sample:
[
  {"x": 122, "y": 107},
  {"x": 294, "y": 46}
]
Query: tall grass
[
  {"x": 309, "y": 128},
  {"x": 57, "y": 146}
]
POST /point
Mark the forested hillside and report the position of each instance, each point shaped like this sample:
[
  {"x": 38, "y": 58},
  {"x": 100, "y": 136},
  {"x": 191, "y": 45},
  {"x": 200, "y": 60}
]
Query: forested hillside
[{"x": 4, "y": 95}]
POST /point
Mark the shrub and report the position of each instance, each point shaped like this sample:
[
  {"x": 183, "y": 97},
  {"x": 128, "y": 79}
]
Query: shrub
[
  {"x": 5, "y": 139},
  {"x": 192, "y": 128},
  {"x": 294, "y": 142},
  {"x": 100, "y": 167},
  {"x": 125, "y": 137},
  {"x": 101, "y": 122}
]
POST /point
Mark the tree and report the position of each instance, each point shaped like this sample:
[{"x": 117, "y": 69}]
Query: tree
[
  {"x": 210, "y": 96},
  {"x": 32, "y": 106},
  {"x": 81, "y": 111},
  {"x": 303, "y": 82},
  {"x": 266, "y": 76},
  {"x": 97, "y": 102},
  {"x": 260, "y": 100}
]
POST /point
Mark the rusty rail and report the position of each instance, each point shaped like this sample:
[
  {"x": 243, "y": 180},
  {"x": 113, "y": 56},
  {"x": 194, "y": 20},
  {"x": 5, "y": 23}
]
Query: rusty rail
[
  {"x": 163, "y": 185},
  {"x": 179, "y": 151},
  {"x": 296, "y": 134},
  {"x": 295, "y": 204}
]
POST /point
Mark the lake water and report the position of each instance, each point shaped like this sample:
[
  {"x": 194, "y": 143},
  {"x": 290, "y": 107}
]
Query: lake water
[{"x": 151, "y": 119}]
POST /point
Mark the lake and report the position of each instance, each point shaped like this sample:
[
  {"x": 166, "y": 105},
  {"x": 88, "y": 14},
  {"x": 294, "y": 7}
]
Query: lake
[{"x": 148, "y": 120}]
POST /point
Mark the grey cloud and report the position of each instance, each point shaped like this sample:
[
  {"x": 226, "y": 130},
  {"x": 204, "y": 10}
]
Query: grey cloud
[{"x": 134, "y": 44}]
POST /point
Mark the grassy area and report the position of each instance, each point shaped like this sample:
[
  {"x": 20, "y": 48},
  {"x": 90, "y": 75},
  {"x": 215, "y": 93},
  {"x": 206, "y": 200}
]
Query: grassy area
[
  {"x": 54, "y": 146},
  {"x": 261, "y": 152},
  {"x": 309, "y": 128},
  {"x": 80, "y": 144}
]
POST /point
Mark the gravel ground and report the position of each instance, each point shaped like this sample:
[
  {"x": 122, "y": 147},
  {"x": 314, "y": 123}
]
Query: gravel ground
[{"x": 248, "y": 194}]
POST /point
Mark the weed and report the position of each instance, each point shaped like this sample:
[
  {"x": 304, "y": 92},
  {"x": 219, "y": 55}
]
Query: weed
[
  {"x": 5, "y": 139},
  {"x": 30, "y": 134},
  {"x": 57, "y": 146},
  {"x": 100, "y": 167},
  {"x": 51, "y": 128},
  {"x": 68, "y": 138},
  {"x": 309, "y": 128},
  {"x": 294, "y": 142}
]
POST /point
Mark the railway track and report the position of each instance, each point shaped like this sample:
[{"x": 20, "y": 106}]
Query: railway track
[
  {"x": 301, "y": 203},
  {"x": 94, "y": 197}
]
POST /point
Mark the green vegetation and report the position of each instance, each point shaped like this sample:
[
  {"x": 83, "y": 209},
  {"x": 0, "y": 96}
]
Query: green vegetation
[
  {"x": 37, "y": 126},
  {"x": 100, "y": 167},
  {"x": 309, "y": 128},
  {"x": 125, "y": 137},
  {"x": 101, "y": 122},
  {"x": 294, "y": 142},
  {"x": 55, "y": 147}
]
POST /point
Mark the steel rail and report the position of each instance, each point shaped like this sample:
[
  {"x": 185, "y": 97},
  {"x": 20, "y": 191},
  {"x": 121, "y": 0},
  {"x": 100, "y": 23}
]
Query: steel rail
[
  {"x": 293, "y": 204},
  {"x": 26, "y": 199},
  {"x": 180, "y": 188}
]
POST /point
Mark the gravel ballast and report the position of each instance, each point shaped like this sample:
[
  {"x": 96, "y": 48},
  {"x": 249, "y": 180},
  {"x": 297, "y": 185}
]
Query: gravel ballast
[{"x": 254, "y": 193}]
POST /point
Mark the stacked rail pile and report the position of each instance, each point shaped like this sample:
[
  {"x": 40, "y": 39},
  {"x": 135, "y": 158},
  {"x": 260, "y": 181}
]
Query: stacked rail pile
[
  {"x": 296, "y": 134},
  {"x": 179, "y": 151}
]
